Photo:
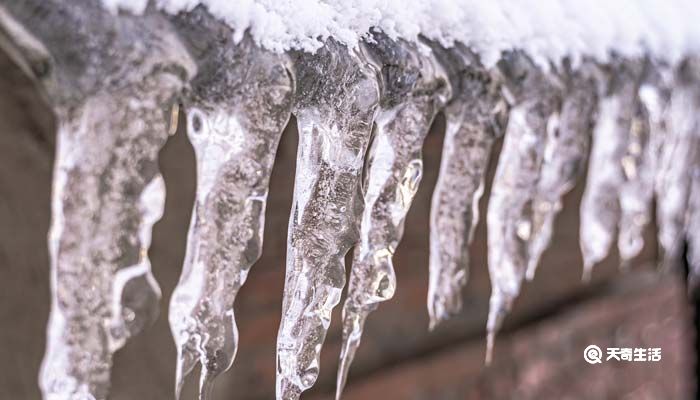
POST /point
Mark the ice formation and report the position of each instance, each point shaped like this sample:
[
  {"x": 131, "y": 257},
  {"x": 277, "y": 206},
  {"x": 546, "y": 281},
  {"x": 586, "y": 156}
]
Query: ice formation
[
  {"x": 615, "y": 75},
  {"x": 108, "y": 95},
  {"x": 619, "y": 141},
  {"x": 238, "y": 105},
  {"x": 689, "y": 80},
  {"x": 413, "y": 89},
  {"x": 637, "y": 190},
  {"x": 692, "y": 229},
  {"x": 472, "y": 127},
  {"x": 334, "y": 118},
  {"x": 104, "y": 206},
  {"x": 655, "y": 95},
  {"x": 678, "y": 153},
  {"x": 536, "y": 98},
  {"x": 564, "y": 156}
]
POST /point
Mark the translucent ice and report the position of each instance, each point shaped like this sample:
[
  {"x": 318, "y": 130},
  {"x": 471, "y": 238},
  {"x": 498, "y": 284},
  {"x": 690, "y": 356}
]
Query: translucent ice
[
  {"x": 103, "y": 287},
  {"x": 109, "y": 92},
  {"x": 564, "y": 158},
  {"x": 535, "y": 96},
  {"x": 413, "y": 89},
  {"x": 472, "y": 126},
  {"x": 686, "y": 121},
  {"x": 238, "y": 107},
  {"x": 637, "y": 190},
  {"x": 692, "y": 227},
  {"x": 655, "y": 94},
  {"x": 337, "y": 95},
  {"x": 614, "y": 155},
  {"x": 679, "y": 152}
]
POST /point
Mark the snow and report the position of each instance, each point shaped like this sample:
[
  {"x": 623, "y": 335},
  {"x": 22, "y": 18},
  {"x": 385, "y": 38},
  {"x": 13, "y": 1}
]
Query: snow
[{"x": 548, "y": 30}]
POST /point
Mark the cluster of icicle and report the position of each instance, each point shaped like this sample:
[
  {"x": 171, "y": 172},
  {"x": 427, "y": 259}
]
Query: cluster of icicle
[{"x": 354, "y": 183}]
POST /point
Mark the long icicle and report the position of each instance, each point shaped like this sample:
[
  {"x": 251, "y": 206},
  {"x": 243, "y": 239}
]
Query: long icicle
[
  {"x": 679, "y": 151},
  {"x": 692, "y": 228},
  {"x": 689, "y": 79},
  {"x": 107, "y": 190},
  {"x": 564, "y": 158},
  {"x": 678, "y": 181},
  {"x": 473, "y": 124},
  {"x": 413, "y": 90},
  {"x": 336, "y": 100},
  {"x": 239, "y": 105},
  {"x": 655, "y": 94},
  {"x": 637, "y": 190},
  {"x": 510, "y": 217},
  {"x": 600, "y": 206}
]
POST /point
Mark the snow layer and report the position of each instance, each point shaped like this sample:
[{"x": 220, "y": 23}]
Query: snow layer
[{"x": 547, "y": 30}]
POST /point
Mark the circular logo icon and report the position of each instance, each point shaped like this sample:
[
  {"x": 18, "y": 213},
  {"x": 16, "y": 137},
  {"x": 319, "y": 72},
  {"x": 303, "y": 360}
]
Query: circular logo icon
[{"x": 593, "y": 354}]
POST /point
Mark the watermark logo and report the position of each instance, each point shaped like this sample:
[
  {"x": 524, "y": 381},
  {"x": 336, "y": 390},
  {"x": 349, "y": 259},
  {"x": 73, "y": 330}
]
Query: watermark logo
[{"x": 594, "y": 354}]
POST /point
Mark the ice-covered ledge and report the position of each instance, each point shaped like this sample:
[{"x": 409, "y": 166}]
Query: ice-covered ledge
[{"x": 542, "y": 74}]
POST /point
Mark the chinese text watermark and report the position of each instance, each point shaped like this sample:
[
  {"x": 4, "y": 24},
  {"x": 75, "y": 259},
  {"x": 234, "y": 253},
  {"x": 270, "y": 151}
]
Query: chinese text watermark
[{"x": 594, "y": 354}]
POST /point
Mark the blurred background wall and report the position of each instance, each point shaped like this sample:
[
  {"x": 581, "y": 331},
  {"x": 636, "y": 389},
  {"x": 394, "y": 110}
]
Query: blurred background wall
[{"x": 539, "y": 355}]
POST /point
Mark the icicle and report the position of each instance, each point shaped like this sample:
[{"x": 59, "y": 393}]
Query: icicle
[
  {"x": 655, "y": 94},
  {"x": 636, "y": 192},
  {"x": 680, "y": 149},
  {"x": 336, "y": 100},
  {"x": 564, "y": 159},
  {"x": 412, "y": 92},
  {"x": 239, "y": 106},
  {"x": 685, "y": 118},
  {"x": 107, "y": 195},
  {"x": 472, "y": 127},
  {"x": 618, "y": 143},
  {"x": 109, "y": 93},
  {"x": 692, "y": 227},
  {"x": 510, "y": 217}
]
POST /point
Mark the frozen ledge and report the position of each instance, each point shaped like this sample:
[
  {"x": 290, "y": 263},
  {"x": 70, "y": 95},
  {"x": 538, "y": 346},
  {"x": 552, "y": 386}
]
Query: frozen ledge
[{"x": 547, "y": 30}]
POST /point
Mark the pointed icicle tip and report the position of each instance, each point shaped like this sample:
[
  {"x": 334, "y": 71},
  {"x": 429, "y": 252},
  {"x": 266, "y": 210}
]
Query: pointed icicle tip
[
  {"x": 445, "y": 311},
  {"x": 498, "y": 308},
  {"x": 178, "y": 387},
  {"x": 434, "y": 321},
  {"x": 174, "y": 118},
  {"x": 344, "y": 367},
  {"x": 340, "y": 386},
  {"x": 184, "y": 366},
  {"x": 432, "y": 324},
  {"x": 530, "y": 273},
  {"x": 490, "y": 337},
  {"x": 206, "y": 383},
  {"x": 587, "y": 273}
]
